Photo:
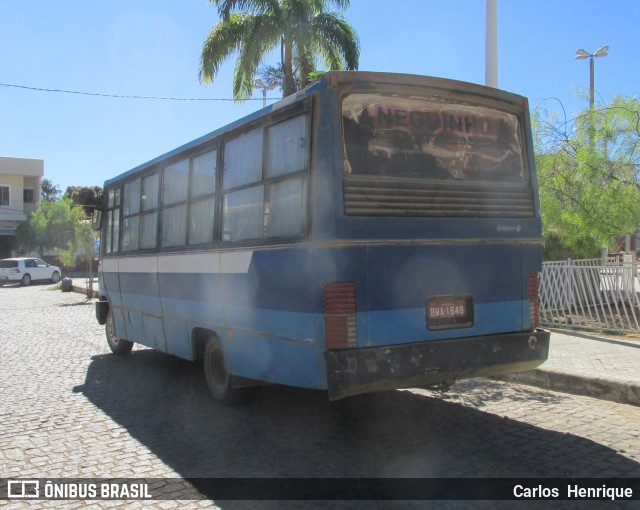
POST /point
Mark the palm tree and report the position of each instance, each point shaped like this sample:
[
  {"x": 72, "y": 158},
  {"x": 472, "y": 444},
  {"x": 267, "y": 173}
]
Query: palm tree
[
  {"x": 303, "y": 29},
  {"x": 49, "y": 191}
]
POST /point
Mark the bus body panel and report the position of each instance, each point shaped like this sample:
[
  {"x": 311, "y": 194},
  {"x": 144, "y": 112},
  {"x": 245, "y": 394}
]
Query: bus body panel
[
  {"x": 265, "y": 312},
  {"x": 263, "y": 357},
  {"x": 272, "y": 320},
  {"x": 393, "y": 284}
]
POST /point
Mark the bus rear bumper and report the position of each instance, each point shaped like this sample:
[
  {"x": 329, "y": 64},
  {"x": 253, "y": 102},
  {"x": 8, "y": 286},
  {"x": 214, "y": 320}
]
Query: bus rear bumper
[{"x": 355, "y": 371}]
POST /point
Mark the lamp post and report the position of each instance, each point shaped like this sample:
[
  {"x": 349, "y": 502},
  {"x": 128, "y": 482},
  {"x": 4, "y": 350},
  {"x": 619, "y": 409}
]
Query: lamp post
[
  {"x": 259, "y": 84},
  {"x": 583, "y": 54}
]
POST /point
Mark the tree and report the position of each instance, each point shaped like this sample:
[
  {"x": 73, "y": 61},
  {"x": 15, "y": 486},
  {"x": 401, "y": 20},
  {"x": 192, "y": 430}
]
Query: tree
[
  {"x": 49, "y": 191},
  {"x": 588, "y": 172},
  {"x": 90, "y": 197},
  {"x": 60, "y": 227},
  {"x": 302, "y": 29}
]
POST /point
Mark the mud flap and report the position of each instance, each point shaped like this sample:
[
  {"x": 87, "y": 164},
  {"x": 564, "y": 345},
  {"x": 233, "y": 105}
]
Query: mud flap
[{"x": 102, "y": 308}]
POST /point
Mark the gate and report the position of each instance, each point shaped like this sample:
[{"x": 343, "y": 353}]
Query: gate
[{"x": 592, "y": 294}]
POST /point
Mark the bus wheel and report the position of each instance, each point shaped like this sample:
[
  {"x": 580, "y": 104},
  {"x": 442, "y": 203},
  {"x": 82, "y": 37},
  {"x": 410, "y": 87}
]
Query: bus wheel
[
  {"x": 219, "y": 381},
  {"x": 117, "y": 345}
]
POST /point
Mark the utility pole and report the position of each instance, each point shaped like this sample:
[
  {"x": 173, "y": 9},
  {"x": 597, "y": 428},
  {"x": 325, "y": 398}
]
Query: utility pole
[{"x": 491, "y": 44}]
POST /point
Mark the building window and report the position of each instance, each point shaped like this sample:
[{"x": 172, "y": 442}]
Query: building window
[
  {"x": 28, "y": 196},
  {"x": 4, "y": 195}
]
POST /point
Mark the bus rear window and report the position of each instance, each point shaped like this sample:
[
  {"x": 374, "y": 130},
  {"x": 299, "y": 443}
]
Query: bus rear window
[
  {"x": 430, "y": 139},
  {"x": 407, "y": 147}
]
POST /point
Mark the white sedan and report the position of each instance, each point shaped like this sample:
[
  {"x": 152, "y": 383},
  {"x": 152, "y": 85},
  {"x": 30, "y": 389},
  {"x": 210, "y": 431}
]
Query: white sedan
[{"x": 25, "y": 270}]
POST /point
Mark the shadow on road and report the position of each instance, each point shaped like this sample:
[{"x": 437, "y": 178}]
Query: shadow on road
[
  {"x": 163, "y": 403},
  {"x": 79, "y": 303}
]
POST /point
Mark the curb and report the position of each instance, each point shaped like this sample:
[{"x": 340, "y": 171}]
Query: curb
[
  {"x": 610, "y": 389},
  {"x": 83, "y": 290}
]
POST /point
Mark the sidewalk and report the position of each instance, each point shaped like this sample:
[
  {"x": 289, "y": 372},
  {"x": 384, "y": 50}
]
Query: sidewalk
[
  {"x": 580, "y": 363},
  {"x": 589, "y": 364},
  {"x": 80, "y": 284}
]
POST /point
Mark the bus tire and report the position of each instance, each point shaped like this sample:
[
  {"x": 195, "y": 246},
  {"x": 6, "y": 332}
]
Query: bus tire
[
  {"x": 117, "y": 345},
  {"x": 219, "y": 381}
]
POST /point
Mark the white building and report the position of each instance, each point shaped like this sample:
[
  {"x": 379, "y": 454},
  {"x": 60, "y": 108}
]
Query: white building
[{"x": 19, "y": 195}]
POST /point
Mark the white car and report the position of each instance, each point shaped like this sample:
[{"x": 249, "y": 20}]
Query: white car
[{"x": 27, "y": 269}]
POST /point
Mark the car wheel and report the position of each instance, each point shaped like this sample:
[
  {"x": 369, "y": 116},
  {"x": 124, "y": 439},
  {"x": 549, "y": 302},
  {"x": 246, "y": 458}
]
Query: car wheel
[
  {"x": 26, "y": 280},
  {"x": 117, "y": 345},
  {"x": 219, "y": 380},
  {"x": 55, "y": 277}
]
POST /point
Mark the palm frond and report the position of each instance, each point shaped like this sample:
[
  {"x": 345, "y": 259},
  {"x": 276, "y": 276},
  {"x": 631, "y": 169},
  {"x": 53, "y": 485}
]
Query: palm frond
[
  {"x": 263, "y": 36},
  {"x": 302, "y": 28},
  {"x": 223, "y": 40},
  {"x": 226, "y": 7},
  {"x": 336, "y": 41}
]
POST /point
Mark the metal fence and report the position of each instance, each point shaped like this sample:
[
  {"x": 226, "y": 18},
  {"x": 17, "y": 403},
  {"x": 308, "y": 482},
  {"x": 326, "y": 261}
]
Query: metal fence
[{"x": 591, "y": 294}]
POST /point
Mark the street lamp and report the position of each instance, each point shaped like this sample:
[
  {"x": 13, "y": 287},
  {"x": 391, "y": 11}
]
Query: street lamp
[
  {"x": 583, "y": 54},
  {"x": 259, "y": 84}
]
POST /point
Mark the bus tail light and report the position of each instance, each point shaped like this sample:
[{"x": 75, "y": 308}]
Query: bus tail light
[
  {"x": 340, "y": 315},
  {"x": 534, "y": 303}
]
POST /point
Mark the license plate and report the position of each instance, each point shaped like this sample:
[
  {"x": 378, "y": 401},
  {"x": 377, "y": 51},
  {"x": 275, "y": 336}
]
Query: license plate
[
  {"x": 447, "y": 309},
  {"x": 449, "y": 312}
]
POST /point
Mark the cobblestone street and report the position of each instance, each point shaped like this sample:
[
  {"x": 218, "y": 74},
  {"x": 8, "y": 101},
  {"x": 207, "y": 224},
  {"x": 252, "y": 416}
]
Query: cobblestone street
[{"x": 72, "y": 409}]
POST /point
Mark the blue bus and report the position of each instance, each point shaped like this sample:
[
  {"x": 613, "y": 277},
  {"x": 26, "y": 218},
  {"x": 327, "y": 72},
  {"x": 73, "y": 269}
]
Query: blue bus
[{"x": 373, "y": 231}]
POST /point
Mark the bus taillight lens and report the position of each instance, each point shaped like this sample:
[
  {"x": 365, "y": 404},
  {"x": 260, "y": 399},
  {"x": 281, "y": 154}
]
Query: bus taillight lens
[
  {"x": 534, "y": 303},
  {"x": 340, "y": 315}
]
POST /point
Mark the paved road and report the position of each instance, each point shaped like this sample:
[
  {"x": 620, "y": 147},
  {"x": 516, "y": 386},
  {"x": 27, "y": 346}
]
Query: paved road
[{"x": 71, "y": 409}]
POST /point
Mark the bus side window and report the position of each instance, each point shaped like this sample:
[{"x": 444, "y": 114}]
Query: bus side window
[
  {"x": 285, "y": 200},
  {"x": 287, "y": 149},
  {"x": 202, "y": 199},
  {"x": 111, "y": 235},
  {"x": 243, "y": 209},
  {"x": 274, "y": 206},
  {"x": 140, "y": 222}
]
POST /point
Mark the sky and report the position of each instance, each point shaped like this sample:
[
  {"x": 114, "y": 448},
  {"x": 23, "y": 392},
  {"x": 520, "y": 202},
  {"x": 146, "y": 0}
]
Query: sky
[{"x": 152, "y": 48}]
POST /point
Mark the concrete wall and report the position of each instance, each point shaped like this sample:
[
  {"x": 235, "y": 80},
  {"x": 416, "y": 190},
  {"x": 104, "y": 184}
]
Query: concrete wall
[
  {"x": 18, "y": 174},
  {"x": 22, "y": 166}
]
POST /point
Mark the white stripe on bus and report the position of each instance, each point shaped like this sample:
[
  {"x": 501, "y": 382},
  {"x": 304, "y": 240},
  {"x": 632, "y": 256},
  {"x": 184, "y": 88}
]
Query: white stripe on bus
[{"x": 236, "y": 262}]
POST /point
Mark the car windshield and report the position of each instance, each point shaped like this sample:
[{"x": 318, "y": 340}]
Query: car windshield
[{"x": 7, "y": 264}]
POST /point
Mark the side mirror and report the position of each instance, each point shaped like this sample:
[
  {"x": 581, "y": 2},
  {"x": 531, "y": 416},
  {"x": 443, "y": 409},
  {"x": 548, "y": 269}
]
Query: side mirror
[{"x": 96, "y": 221}]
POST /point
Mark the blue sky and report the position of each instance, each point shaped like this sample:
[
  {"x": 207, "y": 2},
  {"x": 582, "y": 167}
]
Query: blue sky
[{"x": 152, "y": 48}]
